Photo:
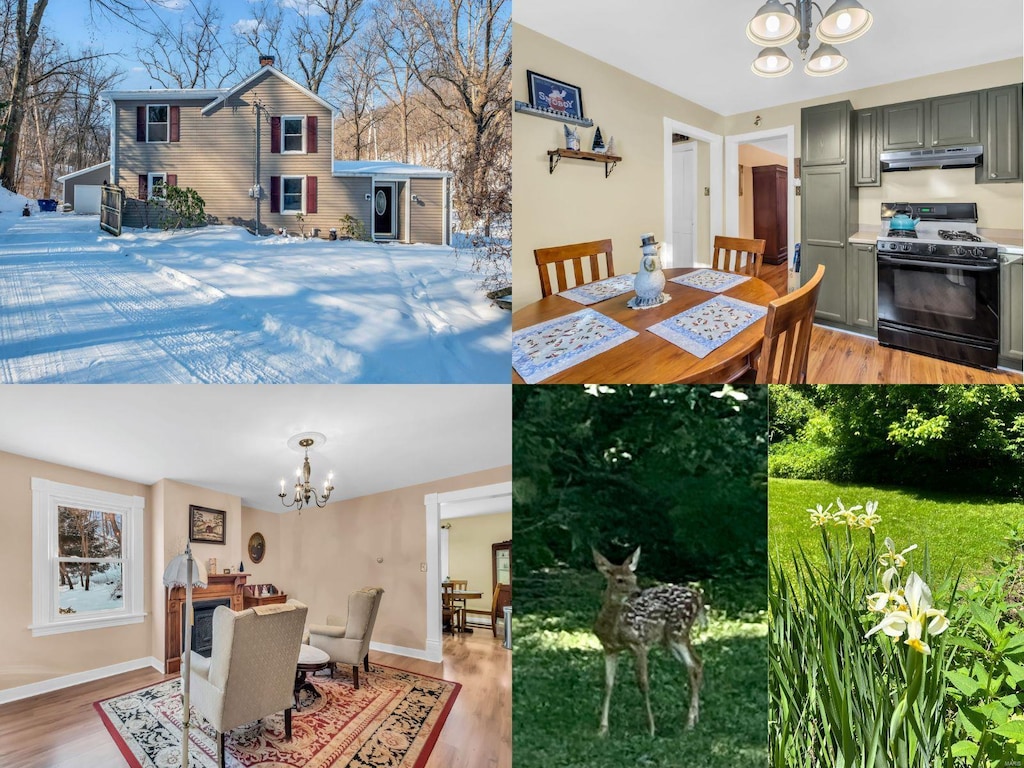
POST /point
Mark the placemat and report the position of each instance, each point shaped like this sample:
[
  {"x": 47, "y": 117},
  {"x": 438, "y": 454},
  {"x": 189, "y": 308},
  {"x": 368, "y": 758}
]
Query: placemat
[
  {"x": 591, "y": 293},
  {"x": 702, "y": 329},
  {"x": 542, "y": 350},
  {"x": 711, "y": 280}
]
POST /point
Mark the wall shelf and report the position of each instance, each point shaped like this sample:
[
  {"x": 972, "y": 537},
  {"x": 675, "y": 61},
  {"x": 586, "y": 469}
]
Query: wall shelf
[
  {"x": 610, "y": 161},
  {"x": 528, "y": 109}
]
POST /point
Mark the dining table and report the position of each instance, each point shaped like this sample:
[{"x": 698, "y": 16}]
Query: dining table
[
  {"x": 462, "y": 595},
  {"x": 649, "y": 358}
]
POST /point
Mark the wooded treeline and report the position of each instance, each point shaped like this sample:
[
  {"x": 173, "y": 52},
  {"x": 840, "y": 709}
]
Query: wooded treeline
[
  {"x": 418, "y": 81},
  {"x": 677, "y": 470},
  {"x": 954, "y": 437}
]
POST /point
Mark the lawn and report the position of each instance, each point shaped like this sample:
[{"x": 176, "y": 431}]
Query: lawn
[
  {"x": 963, "y": 533},
  {"x": 558, "y": 680}
]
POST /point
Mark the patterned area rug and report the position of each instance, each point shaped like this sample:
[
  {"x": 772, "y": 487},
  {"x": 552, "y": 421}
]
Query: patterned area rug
[{"x": 393, "y": 720}]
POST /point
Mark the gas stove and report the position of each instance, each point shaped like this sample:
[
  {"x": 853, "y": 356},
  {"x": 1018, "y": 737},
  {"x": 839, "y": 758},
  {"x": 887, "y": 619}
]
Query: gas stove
[{"x": 947, "y": 232}]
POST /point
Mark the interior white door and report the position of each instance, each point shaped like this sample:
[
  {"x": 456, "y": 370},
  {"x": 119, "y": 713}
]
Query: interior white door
[{"x": 684, "y": 203}]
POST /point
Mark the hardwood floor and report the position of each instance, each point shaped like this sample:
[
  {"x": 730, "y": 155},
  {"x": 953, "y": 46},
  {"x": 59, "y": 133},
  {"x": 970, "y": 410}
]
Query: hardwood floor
[
  {"x": 62, "y": 730},
  {"x": 845, "y": 358}
]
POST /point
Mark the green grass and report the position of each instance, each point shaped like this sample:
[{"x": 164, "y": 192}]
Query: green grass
[
  {"x": 963, "y": 533},
  {"x": 558, "y": 683}
]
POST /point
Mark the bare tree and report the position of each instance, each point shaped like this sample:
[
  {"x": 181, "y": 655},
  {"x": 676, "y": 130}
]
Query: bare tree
[
  {"x": 398, "y": 48},
  {"x": 265, "y": 32},
  {"x": 354, "y": 84},
  {"x": 191, "y": 55}
]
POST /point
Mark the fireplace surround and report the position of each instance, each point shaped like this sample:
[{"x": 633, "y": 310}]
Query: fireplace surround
[{"x": 219, "y": 587}]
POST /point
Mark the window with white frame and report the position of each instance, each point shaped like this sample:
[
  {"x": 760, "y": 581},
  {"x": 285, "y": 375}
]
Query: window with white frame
[
  {"x": 157, "y": 186},
  {"x": 87, "y": 558},
  {"x": 157, "y": 122},
  {"x": 293, "y": 135},
  {"x": 292, "y": 200}
]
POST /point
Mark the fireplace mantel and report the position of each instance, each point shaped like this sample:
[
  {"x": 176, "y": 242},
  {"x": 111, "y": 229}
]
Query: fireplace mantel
[{"x": 219, "y": 586}]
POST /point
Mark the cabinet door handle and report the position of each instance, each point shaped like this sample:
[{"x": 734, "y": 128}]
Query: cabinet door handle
[{"x": 992, "y": 175}]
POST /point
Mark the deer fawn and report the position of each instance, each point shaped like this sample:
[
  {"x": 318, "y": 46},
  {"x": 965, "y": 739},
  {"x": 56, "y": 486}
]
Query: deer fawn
[{"x": 634, "y": 620}]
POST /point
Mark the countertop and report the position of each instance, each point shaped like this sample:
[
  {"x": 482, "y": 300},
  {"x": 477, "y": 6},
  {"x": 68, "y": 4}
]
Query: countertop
[{"x": 1010, "y": 241}]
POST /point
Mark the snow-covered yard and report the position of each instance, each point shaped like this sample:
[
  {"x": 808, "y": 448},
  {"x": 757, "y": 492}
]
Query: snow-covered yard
[{"x": 220, "y": 305}]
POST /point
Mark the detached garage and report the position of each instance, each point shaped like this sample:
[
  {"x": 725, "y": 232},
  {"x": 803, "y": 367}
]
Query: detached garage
[
  {"x": 405, "y": 203},
  {"x": 82, "y": 188}
]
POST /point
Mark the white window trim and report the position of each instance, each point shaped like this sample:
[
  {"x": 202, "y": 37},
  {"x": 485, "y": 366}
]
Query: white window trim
[
  {"x": 168, "y": 124},
  {"x": 149, "y": 185},
  {"x": 303, "y": 182},
  {"x": 46, "y": 496},
  {"x": 302, "y": 131}
]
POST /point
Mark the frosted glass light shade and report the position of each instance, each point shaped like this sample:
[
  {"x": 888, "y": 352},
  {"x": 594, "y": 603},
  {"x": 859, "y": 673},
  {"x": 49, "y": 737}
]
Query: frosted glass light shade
[
  {"x": 773, "y": 24},
  {"x": 825, "y": 61},
  {"x": 771, "y": 62},
  {"x": 846, "y": 20}
]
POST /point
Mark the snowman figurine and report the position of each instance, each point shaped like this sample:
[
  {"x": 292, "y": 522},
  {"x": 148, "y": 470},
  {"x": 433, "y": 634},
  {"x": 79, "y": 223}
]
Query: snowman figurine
[{"x": 650, "y": 280}]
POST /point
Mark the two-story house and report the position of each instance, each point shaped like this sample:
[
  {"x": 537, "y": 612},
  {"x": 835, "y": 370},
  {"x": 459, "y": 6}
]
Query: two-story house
[{"x": 265, "y": 148}]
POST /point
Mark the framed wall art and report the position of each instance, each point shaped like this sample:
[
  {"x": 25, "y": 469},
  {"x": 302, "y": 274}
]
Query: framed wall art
[
  {"x": 206, "y": 525},
  {"x": 554, "y": 95}
]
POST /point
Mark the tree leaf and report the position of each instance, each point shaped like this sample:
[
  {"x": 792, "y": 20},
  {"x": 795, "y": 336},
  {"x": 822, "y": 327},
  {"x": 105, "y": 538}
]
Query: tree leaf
[
  {"x": 965, "y": 684},
  {"x": 964, "y": 748},
  {"x": 1012, "y": 729}
]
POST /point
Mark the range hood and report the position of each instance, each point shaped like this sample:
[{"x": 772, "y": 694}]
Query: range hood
[{"x": 948, "y": 157}]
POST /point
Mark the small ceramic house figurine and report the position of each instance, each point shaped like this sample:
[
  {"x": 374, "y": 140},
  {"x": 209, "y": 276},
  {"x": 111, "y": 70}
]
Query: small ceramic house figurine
[
  {"x": 572, "y": 138},
  {"x": 650, "y": 280},
  {"x": 598, "y": 141}
]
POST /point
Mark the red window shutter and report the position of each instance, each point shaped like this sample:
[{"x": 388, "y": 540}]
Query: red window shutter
[
  {"x": 275, "y": 135},
  {"x": 140, "y": 123},
  {"x": 172, "y": 178},
  {"x": 175, "y": 124},
  {"x": 311, "y": 133},
  {"x": 311, "y": 194},
  {"x": 143, "y": 187},
  {"x": 275, "y": 194}
]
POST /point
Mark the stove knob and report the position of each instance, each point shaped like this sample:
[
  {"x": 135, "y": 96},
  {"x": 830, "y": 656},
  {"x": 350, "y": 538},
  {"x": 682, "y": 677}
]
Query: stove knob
[
  {"x": 959, "y": 250},
  {"x": 933, "y": 248},
  {"x": 978, "y": 252},
  {"x": 905, "y": 247}
]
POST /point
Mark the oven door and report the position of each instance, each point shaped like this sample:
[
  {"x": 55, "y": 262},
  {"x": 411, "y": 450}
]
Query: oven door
[{"x": 947, "y": 299}]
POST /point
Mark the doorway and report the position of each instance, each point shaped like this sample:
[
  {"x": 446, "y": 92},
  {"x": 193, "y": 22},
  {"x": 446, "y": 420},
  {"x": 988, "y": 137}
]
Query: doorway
[
  {"x": 684, "y": 201},
  {"x": 385, "y": 221},
  {"x": 707, "y": 215}
]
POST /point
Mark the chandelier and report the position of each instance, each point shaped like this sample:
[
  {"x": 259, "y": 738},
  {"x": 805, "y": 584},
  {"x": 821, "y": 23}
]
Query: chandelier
[
  {"x": 304, "y": 492},
  {"x": 774, "y": 25}
]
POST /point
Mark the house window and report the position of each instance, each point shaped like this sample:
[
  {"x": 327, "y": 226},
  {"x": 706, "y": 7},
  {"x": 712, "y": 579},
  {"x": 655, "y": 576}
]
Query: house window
[
  {"x": 157, "y": 122},
  {"x": 293, "y": 134},
  {"x": 87, "y": 558},
  {"x": 291, "y": 195},
  {"x": 157, "y": 186}
]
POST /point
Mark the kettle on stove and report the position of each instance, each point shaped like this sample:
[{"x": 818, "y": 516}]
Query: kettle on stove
[{"x": 903, "y": 221}]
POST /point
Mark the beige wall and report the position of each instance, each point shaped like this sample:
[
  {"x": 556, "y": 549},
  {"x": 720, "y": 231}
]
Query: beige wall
[
  {"x": 272, "y": 570},
  {"x": 426, "y": 217},
  {"x": 327, "y": 553},
  {"x": 751, "y": 156},
  {"x": 469, "y": 552},
  {"x": 26, "y": 659},
  {"x": 576, "y": 203}
]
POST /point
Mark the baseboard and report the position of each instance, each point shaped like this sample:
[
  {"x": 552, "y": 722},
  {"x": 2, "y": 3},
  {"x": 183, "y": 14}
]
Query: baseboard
[
  {"x": 66, "y": 681},
  {"x": 424, "y": 654}
]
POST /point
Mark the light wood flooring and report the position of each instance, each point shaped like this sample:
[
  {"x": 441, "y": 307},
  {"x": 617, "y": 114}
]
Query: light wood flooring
[
  {"x": 845, "y": 358},
  {"x": 62, "y": 730}
]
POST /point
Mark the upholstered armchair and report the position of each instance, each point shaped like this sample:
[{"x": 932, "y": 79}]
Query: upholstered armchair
[
  {"x": 251, "y": 671},
  {"x": 347, "y": 641}
]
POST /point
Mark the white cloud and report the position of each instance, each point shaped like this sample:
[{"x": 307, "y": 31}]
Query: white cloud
[
  {"x": 244, "y": 26},
  {"x": 172, "y": 5}
]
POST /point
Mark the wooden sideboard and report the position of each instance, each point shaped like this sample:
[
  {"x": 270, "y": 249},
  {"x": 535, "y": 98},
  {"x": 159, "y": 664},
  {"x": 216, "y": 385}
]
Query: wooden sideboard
[
  {"x": 229, "y": 586},
  {"x": 248, "y": 601}
]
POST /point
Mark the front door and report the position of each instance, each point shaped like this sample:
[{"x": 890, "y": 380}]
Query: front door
[{"x": 384, "y": 219}]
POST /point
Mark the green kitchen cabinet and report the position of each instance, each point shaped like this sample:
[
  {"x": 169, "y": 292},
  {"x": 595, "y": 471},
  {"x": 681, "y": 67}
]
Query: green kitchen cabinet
[
  {"x": 903, "y": 125},
  {"x": 954, "y": 120},
  {"x": 824, "y": 206},
  {"x": 1001, "y": 133},
  {"x": 825, "y": 134},
  {"x": 861, "y": 288},
  {"x": 1011, "y": 314},
  {"x": 866, "y": 169},
  {"x": 832, "y": 303}
]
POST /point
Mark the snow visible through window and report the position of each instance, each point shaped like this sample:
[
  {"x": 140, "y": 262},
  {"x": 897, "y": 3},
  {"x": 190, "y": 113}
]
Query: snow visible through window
[{"x": 90, "y": 561}]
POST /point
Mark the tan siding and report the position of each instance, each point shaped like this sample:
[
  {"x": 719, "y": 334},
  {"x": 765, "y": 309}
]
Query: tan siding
[
  {"x": 427, "y": 220},
  {"x": 93, "y": 178},
  {"x": 216, "y": 155},
  {"x": 400, "y": 194}
]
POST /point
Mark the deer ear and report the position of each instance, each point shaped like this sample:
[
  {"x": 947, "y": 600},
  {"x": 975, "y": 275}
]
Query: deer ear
[
  {"x": 603, "y": 563},
  {"x": 633, "y": 560}
]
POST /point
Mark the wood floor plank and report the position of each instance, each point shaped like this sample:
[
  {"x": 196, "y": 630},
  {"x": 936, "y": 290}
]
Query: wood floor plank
[{"x": 63, "y": 730}]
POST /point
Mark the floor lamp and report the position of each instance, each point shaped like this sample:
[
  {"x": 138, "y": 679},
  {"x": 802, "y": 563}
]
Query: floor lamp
[{"x": 185, "y": 572}]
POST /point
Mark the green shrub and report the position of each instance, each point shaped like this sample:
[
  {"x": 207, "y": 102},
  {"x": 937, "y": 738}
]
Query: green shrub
[
  {"x": 187, "y": 205},
  {"x": 352, "y": 227},
  {"x": 804, "y": 460},
  {"x": 788, "y": 412}
]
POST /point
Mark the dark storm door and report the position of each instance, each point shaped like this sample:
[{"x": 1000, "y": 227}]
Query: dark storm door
[{"x": 384, "y": 210}]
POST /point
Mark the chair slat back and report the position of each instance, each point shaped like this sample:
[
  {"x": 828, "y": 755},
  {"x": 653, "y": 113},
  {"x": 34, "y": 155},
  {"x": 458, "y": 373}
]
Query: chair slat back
[
  {"x": 787, "y": 335},
  {"x": 559, "y": 255},
  {"x": 738, "y": 254}
]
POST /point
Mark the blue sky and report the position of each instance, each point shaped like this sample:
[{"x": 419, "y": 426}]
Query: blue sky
[{"x": 71, "y": 22}]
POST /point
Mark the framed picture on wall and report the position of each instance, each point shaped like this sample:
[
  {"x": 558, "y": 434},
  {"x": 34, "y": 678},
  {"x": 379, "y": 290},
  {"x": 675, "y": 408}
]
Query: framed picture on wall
[
  {"x": 548, "y": 93},
  {"x": 205, "y": 525}
]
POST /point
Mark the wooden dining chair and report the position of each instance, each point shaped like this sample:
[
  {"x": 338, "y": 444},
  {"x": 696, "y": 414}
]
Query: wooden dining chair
[
  {"x": 450, "y": 612},
  {"x": 737, "y": 254},
  {"x": 787, "y": 335},
  {"x": 576, "y": 253}
]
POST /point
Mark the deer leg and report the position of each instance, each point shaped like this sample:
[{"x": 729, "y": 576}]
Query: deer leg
[
  {"x": 684, "y": 651},
  {"x": 611, "y": 663},
  {"x": 643, "y": 684}
]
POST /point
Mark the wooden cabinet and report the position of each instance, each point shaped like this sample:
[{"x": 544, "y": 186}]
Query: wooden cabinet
[
  {"x": 770, "y": 187},
  {"x": 1001, "y": 131},
  {"x": 250, "y": 601},
  {"x": 861, "y": 288},
  {"x": 832, "y": 306},
  {"x": 825, "y": 206},
  {"x": 954, "y": 120},
  {"x": 825, "y": 134},
  {"x": 501, "y": 563},
  {"x": 1011, "y": 314},
  {"x": 867, "y": 130},
  {"x": 903, "y": 126}
]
